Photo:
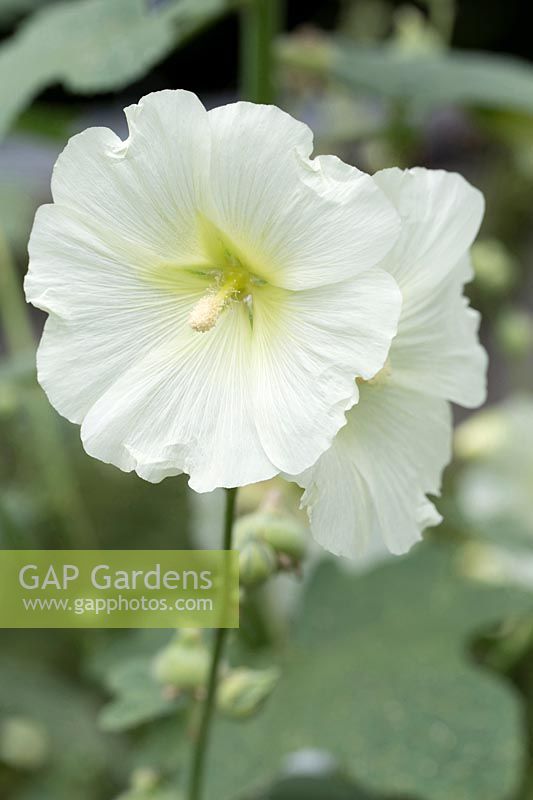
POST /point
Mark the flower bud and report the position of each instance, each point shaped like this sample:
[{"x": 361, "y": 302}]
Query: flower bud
[
  {"x": 243, "y": 691},
  {"x": 183, "y": 664},
  {"x": 287, "y": 536},
  {"x": 281, "y": 531},
  {"x": 257, "y": 562},
  {"x": 23, "y": 743}
]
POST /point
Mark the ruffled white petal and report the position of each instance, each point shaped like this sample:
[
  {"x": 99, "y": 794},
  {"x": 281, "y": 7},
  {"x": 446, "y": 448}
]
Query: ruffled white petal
[
  {"x": 308, "y": 349},
  {"x": 372, "y": 482},
  {"x": 298, "y": 223},
  {"x": 437, "y": 350},
  {"x": 441, "y": 214},
  {"x": 106, "y": 311},
  {"x": 371, "y": 485},
  {"x": 142, "y": 194},
  {"x": 186, "y": 404}
]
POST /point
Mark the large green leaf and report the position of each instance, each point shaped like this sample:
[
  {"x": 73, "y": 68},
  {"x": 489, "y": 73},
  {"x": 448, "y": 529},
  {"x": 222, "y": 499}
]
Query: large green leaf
[
  {"x": 93, "y": 46},
  {"x": 380, "y": 675},
  {"x": 330, "y": 787},
  {"x": 427, "y": 80}
]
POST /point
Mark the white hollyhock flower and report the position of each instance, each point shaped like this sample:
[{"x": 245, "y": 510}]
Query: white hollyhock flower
[
  {"x": 212, "y": 291},
  {"x": 370, "y": 487}
]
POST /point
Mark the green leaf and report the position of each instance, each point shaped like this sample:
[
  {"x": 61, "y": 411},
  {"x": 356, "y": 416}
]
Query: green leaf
[
  {"x": 139, "y": 698},
  {"x": 111, "y": 649},
  {"x": 164, "y": 746},
  {"x": 307, "y": 788},
  {"x": 380, "y": 676},
  {"x": 93, "y": 46},
  {"x": 426, "y": 80}
]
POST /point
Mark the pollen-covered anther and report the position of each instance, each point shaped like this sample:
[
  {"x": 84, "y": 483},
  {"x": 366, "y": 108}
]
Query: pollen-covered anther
[
  {"x": 231, "y": 285},
  {"x": 207, "y": 311}
]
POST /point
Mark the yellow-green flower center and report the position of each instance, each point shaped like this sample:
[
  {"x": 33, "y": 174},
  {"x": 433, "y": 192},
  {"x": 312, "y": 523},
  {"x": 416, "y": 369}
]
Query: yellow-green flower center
[
  {"x": 231, "y": 282},
  {"x": 230, "y": 286}
]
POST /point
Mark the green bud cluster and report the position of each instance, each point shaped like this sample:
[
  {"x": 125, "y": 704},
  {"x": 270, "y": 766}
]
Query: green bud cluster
[
  {"x": 257, "y": 562},
  {"x": 184, "y": 663},
  {"x": 268, "y": 541}
]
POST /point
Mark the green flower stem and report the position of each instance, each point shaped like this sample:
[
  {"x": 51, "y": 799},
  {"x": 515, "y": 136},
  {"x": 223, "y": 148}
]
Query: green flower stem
[
  {"x": 202, "y": 742},
  {"x": 46, "y": 445},
  {"x": 261, "y": 21}
]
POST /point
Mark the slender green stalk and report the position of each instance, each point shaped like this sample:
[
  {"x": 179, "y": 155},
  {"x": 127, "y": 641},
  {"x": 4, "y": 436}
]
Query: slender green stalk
[
  {"x": 261, "y": 21},
  {"x": 202, "y": 742},
  {"x": 46, "y": 446}
]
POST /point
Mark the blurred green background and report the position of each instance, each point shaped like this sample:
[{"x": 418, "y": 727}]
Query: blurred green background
[{"x": 410, "y": 679}]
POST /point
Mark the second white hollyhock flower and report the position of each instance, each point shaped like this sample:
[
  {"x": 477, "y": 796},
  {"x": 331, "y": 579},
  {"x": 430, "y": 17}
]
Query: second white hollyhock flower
[
  {"x": 369, "y": 489},
  {"x": 212, "y": 292}
]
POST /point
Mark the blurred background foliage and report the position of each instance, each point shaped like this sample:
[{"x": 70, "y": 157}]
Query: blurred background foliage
[{"x": 406, "y": 680}]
